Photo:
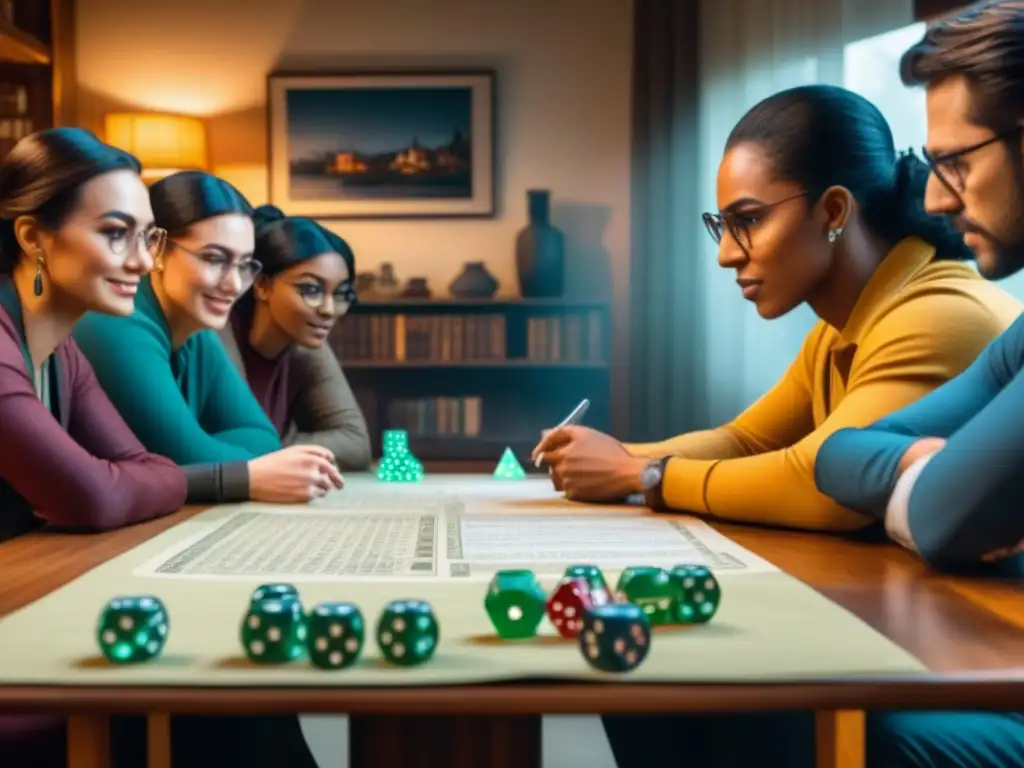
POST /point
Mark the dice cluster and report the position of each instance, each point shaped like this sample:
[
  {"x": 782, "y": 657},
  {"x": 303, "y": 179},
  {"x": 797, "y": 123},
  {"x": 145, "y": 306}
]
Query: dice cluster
[
  {"x": 613, "y": 628},
  {"x": 276, "y": 630}
]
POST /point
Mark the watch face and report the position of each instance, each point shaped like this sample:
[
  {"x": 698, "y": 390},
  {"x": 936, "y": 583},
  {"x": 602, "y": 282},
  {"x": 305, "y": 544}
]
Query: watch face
[{"x": 651, "y": 476}]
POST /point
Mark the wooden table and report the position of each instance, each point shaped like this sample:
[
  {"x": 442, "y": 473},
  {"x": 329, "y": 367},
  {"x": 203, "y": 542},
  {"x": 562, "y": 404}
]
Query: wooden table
[{"x": 969, "y": 633}]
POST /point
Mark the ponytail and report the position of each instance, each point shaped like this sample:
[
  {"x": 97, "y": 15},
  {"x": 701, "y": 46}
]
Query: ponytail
[{"x": 909, "y": 218}]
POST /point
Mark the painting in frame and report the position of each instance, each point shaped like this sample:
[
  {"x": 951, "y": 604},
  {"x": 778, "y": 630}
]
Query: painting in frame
[{"x": 382, "y": 145}]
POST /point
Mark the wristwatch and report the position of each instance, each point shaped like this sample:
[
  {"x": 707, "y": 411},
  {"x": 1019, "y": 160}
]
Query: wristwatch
[{"x": 651, "y": 478}]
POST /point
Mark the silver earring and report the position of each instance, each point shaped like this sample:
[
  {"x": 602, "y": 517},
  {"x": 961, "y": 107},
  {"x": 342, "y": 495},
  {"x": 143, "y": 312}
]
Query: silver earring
[{"x": 833, "y": 234}]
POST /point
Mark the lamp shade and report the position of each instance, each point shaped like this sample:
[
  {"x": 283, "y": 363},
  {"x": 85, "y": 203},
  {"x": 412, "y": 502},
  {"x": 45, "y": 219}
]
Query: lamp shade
[{"x": 164, "y": 144}]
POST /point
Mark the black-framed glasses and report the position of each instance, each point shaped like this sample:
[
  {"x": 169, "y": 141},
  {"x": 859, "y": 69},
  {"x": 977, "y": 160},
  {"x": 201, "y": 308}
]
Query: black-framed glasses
[
  {"x": 153, "y": 240},
  {"x": 739, "y": 223},
  {"x": 314, "y": 296},
  {"x": 217, "y": 266},
  {"x": 949, "y": 167}
]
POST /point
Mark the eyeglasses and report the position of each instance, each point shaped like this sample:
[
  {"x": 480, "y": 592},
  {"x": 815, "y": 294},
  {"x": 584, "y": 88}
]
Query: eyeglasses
[
  {"x": 315, "y": 297},
  {"x": 740, "y": 223},
  {"x": 949, "y": 167},
  {"x": 153, "y": 240},
  {"x": 217, "y": 267}
]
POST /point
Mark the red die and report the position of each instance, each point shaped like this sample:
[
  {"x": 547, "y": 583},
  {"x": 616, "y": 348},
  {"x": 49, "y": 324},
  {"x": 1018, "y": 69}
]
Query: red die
[{"x": 567, "y": 604}]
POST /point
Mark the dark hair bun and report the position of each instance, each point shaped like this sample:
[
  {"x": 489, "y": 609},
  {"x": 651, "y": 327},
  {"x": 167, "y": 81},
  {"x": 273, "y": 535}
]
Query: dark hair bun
[{"x": 265, "y": 215}]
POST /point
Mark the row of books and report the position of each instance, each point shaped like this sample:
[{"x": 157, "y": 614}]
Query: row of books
[
  {"x": 572, "y": 338},
  {"x": 436, "y": 416},
  {"x": 421, "y": 338}
]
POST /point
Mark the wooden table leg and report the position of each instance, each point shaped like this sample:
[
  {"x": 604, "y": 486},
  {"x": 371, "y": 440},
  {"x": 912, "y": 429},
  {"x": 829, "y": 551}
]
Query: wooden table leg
[
  {"x": 839, "y": 739},
  {"x": 88, "y": 741},
  {"x": 158, "y": 740},
  {"x": 454, "y": 742}
]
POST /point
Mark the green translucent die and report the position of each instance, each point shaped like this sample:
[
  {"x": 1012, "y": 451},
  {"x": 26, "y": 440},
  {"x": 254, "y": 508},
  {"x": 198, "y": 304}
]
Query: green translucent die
[
  {"x": 516, "y": 603},
  {"x": 407, "y": 632},
  {"x": 591, "y": 574},
  {"x": 335, "y": 634},
  {"x": 698, "y": 593},
  {"x": 398, "y": 465},
  {"x": 132, "y": 629},
  {"x": 274, "y": 592},
  {"x": 274, "y": 631},
  {"x": 509, "y": 467},
  {"x": 652, "y": 589}
]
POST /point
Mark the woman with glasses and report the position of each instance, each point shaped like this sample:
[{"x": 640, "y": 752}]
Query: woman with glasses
[
  {"x": 166, "y": 370},
  {"x": 76, "y": 236},
  {"x": 815, "y": 207},
  {"x": 277, "y": 336}
]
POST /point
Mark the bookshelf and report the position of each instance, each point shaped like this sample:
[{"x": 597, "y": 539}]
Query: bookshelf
[{"x": 467, "y": 379}]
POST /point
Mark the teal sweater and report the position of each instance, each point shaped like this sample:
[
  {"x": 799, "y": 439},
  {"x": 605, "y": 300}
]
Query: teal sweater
[{"x": 191, "y": 404}]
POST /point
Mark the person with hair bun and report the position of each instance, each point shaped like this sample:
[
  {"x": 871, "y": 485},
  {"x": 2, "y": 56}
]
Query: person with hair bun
[
  {"x": 167, "y": 372},
  {"x": 817, "y": 208},
  {"x": 278, "y": 332},
  {"x": 76, "y": 235}
]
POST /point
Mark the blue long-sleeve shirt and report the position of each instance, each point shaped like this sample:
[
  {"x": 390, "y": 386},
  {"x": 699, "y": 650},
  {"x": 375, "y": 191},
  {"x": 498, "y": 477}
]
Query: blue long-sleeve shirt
[{"x": 969, "y": 499}]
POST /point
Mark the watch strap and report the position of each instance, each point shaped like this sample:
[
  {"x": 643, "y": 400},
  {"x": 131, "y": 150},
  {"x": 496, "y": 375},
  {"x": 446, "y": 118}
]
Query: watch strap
[{"x": 654, "y": 496}]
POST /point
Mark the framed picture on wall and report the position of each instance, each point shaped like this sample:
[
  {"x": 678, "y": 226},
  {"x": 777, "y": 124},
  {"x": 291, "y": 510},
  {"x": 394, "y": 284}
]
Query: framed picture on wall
[{"x": 382, "y": 145}]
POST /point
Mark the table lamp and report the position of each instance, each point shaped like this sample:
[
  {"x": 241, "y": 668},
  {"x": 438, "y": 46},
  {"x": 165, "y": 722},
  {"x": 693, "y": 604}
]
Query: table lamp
[{"x": 164, "y": 144}]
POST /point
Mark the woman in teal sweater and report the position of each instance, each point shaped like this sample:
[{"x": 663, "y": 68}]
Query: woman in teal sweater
[{"x": 166, "y": 371}]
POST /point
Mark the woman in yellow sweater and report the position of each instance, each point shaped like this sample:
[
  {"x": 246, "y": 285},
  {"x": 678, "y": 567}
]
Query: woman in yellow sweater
[{"x": 815, "y": 207}]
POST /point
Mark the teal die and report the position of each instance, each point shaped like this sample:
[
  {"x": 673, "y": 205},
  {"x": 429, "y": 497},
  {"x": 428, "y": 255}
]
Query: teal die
[
  {"x": 274, "y": 592},
  {"x": 133, "y": 629},
  {"x": 407, "y": 632},
  {"x": 698, "y": 593},
  {"x": 334, "y": 635},
  {"x": 274, "y": 631}
]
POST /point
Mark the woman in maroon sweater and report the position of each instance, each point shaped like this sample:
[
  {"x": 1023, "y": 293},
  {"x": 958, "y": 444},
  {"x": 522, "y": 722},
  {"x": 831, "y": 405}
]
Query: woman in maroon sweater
[{"x": 76, "y": 235}]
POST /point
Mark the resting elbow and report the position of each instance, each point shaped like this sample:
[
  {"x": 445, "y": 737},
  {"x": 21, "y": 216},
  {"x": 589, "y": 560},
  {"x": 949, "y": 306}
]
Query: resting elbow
[{"x": 945, "y": 546}]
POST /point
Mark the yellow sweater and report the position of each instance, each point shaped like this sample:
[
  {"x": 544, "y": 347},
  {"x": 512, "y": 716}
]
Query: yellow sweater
[{"x": 917, "y": 324}]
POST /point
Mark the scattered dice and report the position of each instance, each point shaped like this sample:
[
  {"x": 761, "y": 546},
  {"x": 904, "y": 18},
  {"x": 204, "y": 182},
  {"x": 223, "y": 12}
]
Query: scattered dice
[
  {"x": 599, "y": 591},
  {"x": 274, "y": 631},
  {"x": 615, "y": 637},
  {"x": 334, "y": 635},
  {"x": 567, "y": 604},
  {"x": 515, "y": 603},
  {"x": 698, "y": 593},
  {"x": 407, "y": 632},
  {"x": 132, "y": 629},
  {"x": 650, "y": 588},
  {"x": 274, "y": 592}
]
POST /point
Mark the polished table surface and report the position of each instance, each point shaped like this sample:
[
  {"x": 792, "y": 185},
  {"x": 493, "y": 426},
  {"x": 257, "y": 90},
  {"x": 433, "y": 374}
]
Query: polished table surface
[{"x": 968, "y": 632}]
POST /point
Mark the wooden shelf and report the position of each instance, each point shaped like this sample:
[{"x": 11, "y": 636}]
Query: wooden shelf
[
  {"x": 474, "y": 364},
  {"x": 18, "y": 47},
  {"x": 497, "y": 304}
]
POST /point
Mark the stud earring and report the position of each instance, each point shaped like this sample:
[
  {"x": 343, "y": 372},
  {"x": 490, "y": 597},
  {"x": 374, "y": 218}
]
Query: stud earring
[
  {"x": 833, "y": 234},
  {"x": 37, "y": 283}
]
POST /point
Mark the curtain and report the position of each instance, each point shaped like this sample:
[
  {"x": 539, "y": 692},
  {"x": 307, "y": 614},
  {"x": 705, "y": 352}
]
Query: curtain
[{"x": 699, "y": 353}]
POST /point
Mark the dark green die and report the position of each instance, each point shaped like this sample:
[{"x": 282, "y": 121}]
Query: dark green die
[
  {"x": 133, "y": 629},
  {"x": 515, "y": 603},
  {"x": 615, "y": 637},
  {"x": 594, "y": 578},
  {"x": 407, "y": 632},
  {"x": 334, "y": 635},
  {"x": 698, "y": 593},
  {"x": 274, "y": 631},
  {"x": 652, "y": 589},
  {"x": 274, "y": 592}
]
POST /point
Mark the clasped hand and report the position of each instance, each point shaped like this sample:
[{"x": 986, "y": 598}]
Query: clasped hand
[{"x": 587, "y": 465}]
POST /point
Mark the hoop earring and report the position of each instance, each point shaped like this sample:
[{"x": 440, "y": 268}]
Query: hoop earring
[
  {"x": 833, "y": 234},
  {"x": 37, "y": 283}
]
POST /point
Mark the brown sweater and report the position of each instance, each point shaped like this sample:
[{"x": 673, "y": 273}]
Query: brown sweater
[{"x": 306, "y": 395}]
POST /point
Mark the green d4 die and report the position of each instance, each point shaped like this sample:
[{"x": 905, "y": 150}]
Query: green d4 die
[
  {"x": 132, "y": 629},
  {"x": 407, "y": 632},
  {"x": 652, "y": 589},
  {"x": 698, "y": 593},
  {"x": 334, "y": 635},
  {"x": 515, "y": 603},
  {"x": 274, "y": 592},
  {"x": 592, "y": 575},
  {"x": 274, "y": 631}
]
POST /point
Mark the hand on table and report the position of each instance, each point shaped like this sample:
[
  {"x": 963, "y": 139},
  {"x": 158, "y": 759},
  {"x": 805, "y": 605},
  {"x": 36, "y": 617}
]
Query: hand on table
[
  {"x": 299, "y": 473},
  {"x": 588, "y": 465},
  {"x": 918, "y": 450}
]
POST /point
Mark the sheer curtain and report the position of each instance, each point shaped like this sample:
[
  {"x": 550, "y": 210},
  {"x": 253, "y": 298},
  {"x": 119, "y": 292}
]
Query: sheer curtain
[{"x": 749, "y": 50}]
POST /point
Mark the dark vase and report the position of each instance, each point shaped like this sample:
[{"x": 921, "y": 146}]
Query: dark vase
[
  {"x": 474, "y": 282},
  {"x": 540, "y": 250}
]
